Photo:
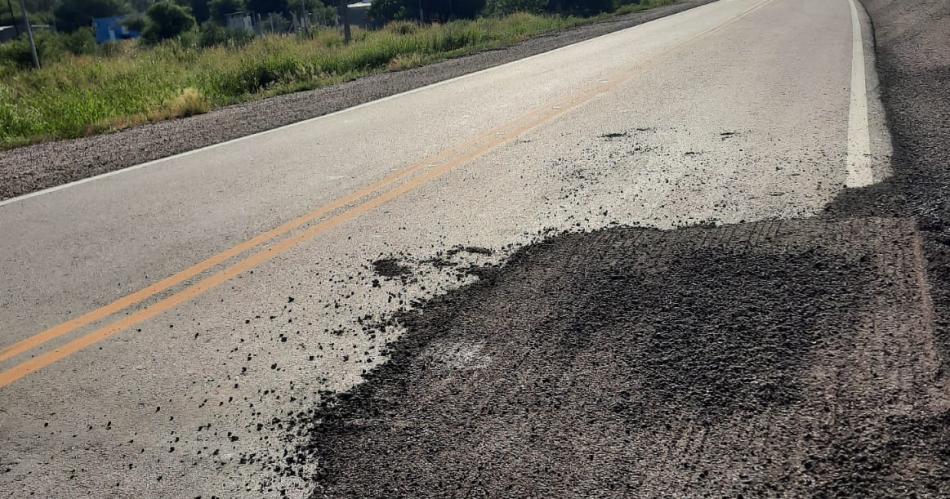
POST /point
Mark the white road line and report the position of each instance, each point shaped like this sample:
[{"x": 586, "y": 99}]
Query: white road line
[{"x": 859, "y": 135}]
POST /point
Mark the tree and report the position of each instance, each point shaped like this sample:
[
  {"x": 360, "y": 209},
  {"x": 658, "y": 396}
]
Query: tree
[
  {"x": 40, "y": 5},
  {"x": 219, "y": 9},
  {"x": 267, "y": 6},
  {"x": 505, "y": 7},
  {"x": 314, "y": 6},
  {"x": 140, "y": 5},
  {"x": 71, "y": 15},
  {"x": 320, "y": 12},
  {"x": 199, "y": 9},
  {"x": 466, "y": 9},
  {"x": 134, "y": 23},
  {"x": 383, "y": 11},
  {"x": 166, "y": 20},
  {"x": 581, "y": 7}
]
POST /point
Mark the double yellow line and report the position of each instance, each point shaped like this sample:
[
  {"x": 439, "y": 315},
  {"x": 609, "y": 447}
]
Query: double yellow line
[
  {"x": 310, "y": 225},
  {"x": 274, "y": 243}
]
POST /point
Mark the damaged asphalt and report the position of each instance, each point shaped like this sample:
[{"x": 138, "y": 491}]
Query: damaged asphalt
[
  {"x": 626, "y": 303},
  {"x": 702, "y": 361},
  {"x": 707, "y": 361}
]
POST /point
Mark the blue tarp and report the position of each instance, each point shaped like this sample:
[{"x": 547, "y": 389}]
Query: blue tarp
[{"x": 110, "y": 29}]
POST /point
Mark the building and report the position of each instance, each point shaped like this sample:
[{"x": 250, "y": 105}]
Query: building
[
  {"x": 359, "y": 14},
  {"x": 11, "y": 32},
  {"x": 239, "y": 21}
]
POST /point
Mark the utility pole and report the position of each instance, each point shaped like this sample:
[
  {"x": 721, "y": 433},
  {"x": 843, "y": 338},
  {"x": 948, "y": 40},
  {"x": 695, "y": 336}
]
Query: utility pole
[
  {"x": 29, "y": 32},
  {"x": 16, "y": 25},
  {"x": 422, "y": 18},
  {"x": 344, "y": 12}
]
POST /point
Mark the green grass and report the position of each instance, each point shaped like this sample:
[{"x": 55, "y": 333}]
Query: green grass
[
  {"x": 83, "y": 95},
  {"x": 644, "y": 5}
]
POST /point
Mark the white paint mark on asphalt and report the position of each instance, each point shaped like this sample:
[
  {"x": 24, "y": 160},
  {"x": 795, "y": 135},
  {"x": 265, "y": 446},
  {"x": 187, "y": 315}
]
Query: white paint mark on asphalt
[{"x": 859, "y": 135}]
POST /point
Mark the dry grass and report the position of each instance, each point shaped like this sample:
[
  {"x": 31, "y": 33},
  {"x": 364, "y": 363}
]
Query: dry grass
[
  {"x": 407, "y": 61},
  {"x": 188, "y": 103}
]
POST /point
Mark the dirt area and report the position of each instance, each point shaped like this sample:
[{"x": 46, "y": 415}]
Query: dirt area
[{"x": 33, "y": 168}]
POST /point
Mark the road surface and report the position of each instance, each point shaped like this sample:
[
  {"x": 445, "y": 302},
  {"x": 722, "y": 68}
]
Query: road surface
[{"x": 169, "y": 329}]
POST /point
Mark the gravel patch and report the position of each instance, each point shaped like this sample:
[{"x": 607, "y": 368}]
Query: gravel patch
[
  {"x": 742, "y": 360},
  {"x": 914, "y": 68},
  {"x": 793, "y": 358},
  {"x": 41, "y": 166}
]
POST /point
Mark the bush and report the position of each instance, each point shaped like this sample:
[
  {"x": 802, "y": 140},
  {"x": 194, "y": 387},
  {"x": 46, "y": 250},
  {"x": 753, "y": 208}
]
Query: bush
[
  {"x": 628, "y": 6},
  {"x": 320, "y": 12},
  {"x": 263, "y": 7},
  {"x": 71, "y": 15},
  {"x": 275, "y": 23},
  {"x": 402, "y": 27},
  {"x": 506, "y": 7},
  {"x": 80, "y": 42},
  {"x": 135, "y": 23},
  {"x": 221, "y": 8},
  {"x": 319, "y": 9},
  {"x": 199, "y": 9},
  {"x": 213, "y": 34},
  {"x": 15, "y": 122},
  {"x": 16, "y": 54},
  {"x": 384, "y": 11},
  {"x": 166, "y": 20},
  {"x": 50, "y": 47},
  {"x": 583, "y": 7}
]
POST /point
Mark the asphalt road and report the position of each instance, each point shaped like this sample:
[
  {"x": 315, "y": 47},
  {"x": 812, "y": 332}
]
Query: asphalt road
[
  {"x": 32, "y": 168},
  {"x": 173, "y": 329}
]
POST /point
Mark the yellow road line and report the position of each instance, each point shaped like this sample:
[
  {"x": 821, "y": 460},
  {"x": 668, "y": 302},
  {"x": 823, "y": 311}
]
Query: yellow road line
[
  {"x": 137, "y": 297},
  {"x": 475, "y": 149},
  {"x": 462, "y": 155}
]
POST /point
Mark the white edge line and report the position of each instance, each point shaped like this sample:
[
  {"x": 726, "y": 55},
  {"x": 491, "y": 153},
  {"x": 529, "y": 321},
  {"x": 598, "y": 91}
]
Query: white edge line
[
  {"x": 321, "y": 117},
  {"x": 859, "y": 135}
]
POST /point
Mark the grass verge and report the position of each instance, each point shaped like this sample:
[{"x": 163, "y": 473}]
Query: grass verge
[{"x": 84, "y": 95}]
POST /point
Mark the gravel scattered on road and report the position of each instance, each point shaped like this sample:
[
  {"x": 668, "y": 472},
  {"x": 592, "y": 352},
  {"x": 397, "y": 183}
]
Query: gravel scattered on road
[
  {"x": 913, "y": 64},
  {"x": 778, "y": 358},
  {"x": 737, "y": 360}
]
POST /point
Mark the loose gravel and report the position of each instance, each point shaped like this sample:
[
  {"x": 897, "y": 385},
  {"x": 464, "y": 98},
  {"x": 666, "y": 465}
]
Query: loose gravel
[
  {"x": 41, "y": 166},
  {"x": 745, "y": 360},
  {"x": 797, "y": 357},
  {"x": 913, "y": 64}
]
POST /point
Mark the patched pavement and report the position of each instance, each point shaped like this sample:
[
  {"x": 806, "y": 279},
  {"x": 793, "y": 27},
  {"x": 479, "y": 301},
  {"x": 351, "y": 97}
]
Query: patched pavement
[
  {"x": 460, "y": 302},
  {"x": 787, "y": 357}
]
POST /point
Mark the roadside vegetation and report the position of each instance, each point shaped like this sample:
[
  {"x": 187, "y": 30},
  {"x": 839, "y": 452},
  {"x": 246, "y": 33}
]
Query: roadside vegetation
[{"x": 181, "y": 68}]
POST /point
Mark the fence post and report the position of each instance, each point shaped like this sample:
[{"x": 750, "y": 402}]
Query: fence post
[{"x": 344, "y": 12}]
